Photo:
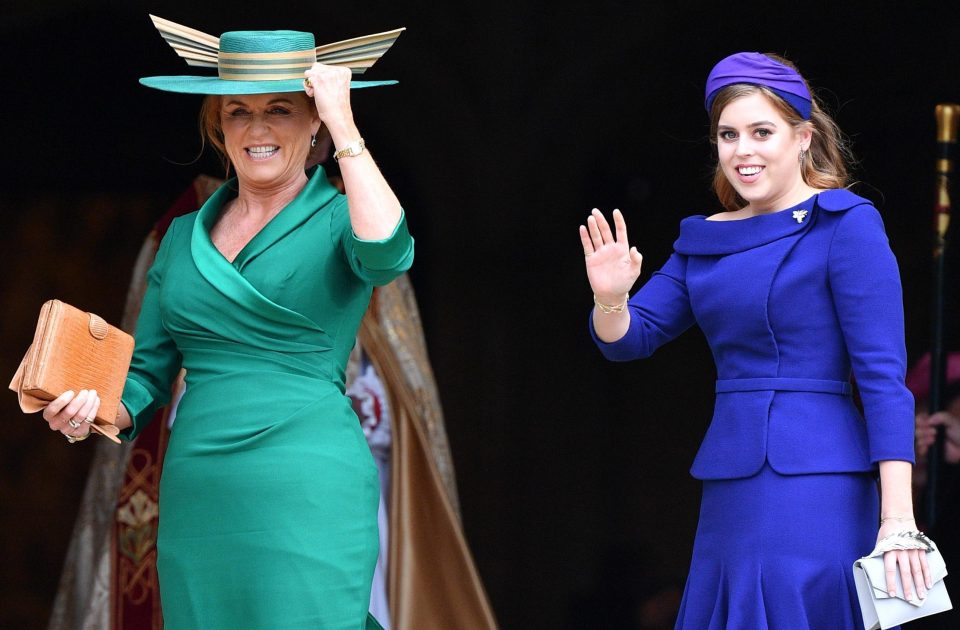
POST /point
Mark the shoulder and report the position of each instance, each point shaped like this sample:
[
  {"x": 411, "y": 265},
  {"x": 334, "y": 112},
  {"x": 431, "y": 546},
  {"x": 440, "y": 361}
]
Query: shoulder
[
  {"x": 184, "y": 221},
  {"x": 849, "y": 213},
  {"x": 180, "y": 227},
  {"x": 841, "y": 200}
]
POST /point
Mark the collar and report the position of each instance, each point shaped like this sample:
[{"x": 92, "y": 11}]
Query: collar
[
  {"x": 316, "y": 194},
  {"x": 227, "y": 277},
  {"x": 700, "y": 237}
]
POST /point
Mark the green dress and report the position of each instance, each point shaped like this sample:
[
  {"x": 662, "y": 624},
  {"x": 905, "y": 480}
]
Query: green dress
[{"x": 269, "y": 493}]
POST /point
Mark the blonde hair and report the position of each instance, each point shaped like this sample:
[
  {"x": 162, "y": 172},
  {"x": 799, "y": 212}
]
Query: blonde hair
[
  {"x": 211, "y": 131},
  {"x": 828, "y": 158}
]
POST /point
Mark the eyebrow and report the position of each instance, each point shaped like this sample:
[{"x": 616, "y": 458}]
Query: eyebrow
[
  {"x": 271, "y": 102},
  {"x": 761, "y": 123}
]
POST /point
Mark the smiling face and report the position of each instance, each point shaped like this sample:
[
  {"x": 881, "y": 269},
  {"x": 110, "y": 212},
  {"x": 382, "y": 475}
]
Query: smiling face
[
  {"x": 267, "y": 136},
  {"x": 758, "y": 152}
]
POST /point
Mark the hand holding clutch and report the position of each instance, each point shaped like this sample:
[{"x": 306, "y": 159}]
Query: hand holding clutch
[
  {"x": 879, "y": 608},
  {"x": 79, "y": 352}
]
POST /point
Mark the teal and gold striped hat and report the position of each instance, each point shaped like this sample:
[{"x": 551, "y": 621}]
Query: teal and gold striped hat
[{"x": 262, "y": 62}]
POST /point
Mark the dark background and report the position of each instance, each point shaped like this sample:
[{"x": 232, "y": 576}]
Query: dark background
[{"x": 510, "y": 122}]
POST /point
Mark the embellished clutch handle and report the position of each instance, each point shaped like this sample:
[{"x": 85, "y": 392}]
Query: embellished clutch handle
[{"x": 74, "y": 350}]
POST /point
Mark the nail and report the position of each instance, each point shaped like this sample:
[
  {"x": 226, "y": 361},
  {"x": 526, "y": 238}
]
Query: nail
[{"x": 892, "y": 593}]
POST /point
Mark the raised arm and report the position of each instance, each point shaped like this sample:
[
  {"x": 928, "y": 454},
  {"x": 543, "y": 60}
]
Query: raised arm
[
  {"x": 612, "y": 269},
  {"x": 375, "y": 211},
  {"x": 658, "y": 312}
]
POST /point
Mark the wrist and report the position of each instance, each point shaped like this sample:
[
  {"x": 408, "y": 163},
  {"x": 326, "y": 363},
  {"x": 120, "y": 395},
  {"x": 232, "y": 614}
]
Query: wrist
[
  {"x": 611, "y": 304},
  {"x": 342, "y": 129},
  {"x": 897, "y": 517}
]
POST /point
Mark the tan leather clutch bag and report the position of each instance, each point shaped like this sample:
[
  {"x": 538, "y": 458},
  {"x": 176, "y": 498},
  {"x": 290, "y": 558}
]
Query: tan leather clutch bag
[{"x": 74, "y": 350}]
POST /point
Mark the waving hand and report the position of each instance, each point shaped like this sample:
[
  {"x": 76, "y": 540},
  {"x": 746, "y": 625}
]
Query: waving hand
[{"x": 612, "y": 265}]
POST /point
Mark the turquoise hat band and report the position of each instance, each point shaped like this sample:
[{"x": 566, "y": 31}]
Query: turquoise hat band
[{"x": 218, "y": 86}]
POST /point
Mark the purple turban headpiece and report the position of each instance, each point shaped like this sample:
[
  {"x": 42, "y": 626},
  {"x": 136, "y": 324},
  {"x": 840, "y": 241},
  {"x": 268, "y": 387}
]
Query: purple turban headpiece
[{"x": 758, "y": 69}]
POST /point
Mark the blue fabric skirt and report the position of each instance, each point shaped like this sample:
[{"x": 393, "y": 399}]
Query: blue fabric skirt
[{"x": 776, "y": 552}]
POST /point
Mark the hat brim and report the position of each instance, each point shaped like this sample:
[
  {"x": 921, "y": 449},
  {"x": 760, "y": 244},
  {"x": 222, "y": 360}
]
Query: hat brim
[{"x": 218, "y": 86}]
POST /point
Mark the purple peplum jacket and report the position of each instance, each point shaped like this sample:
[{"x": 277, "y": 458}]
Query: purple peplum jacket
[{"x": 791, "y": 304}]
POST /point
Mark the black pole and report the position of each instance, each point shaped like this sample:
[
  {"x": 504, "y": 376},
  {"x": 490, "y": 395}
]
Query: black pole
[{"x": 947, "y": 115}]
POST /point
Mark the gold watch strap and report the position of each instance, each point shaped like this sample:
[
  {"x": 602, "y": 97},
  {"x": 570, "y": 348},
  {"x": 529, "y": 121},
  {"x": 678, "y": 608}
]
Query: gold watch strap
[{"x": 353, "y": 149}]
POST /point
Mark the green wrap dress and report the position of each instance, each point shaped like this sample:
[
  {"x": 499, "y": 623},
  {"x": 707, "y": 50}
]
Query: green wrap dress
[{"x": 269, "y": 493}]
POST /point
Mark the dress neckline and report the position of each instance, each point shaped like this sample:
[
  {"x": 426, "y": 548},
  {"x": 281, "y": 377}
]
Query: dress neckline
[
  {"x": 806, "y": 203},
  {"x": 700, "y": 236},
  {"x": 317, "y": 192}
]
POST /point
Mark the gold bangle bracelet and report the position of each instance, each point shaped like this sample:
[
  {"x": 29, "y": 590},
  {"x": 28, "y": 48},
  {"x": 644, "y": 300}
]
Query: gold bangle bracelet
[{"x": 611, "y": 308}]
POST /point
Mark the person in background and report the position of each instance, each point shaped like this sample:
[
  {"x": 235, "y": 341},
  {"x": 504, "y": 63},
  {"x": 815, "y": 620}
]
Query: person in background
[
  {"x": 947, "y": 529},
  {"x": 918, "y": 380}
]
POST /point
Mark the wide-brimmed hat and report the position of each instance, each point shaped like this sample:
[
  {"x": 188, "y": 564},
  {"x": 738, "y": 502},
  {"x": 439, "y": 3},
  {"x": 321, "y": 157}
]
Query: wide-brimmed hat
[{"x": 262, "y": 62}]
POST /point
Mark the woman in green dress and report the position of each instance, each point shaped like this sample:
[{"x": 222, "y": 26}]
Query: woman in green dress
[{"x": 268, "y": 499}]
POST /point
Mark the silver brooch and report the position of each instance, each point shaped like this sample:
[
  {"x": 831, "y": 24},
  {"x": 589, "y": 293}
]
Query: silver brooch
[{"x": 799, "y": 215}]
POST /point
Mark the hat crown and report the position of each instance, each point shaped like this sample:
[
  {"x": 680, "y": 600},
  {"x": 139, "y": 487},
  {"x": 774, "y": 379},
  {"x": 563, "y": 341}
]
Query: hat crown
[{"x": 266, "y": 41}]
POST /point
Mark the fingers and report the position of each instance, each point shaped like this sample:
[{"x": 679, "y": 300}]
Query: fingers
[
  {"x": 329, "y": 86},
  {"x": 587, "y": 243},
  {"x": 890, "y": 572},
  {"x": 604, "y": 226},
  {"x": 51, "y": 411},
  {"x": 621, "y": 227},
  {"x": 925, "y": 439},
  {"x": 906, "y": 574},
  {"x": 916, "y": 571},
  {"x": 594, "y": 230},
  {"x": 925, "y": 570},
  {"x": 88, "y": 411},
  {"x": 940, "y": 419},
  {"x": 70, "y": 413},
  {"x": 600, "y": 232},
  {"x": 635, "y": 257},
  {"x": 90, "y": 417}
]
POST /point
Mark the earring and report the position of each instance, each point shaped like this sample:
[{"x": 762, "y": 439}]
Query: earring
[
  {"x": 803, "y": 155},
  {"x": 313, "y": 141}
]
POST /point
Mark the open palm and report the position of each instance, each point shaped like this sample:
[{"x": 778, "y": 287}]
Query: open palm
[{"x": 612, "y": 265}]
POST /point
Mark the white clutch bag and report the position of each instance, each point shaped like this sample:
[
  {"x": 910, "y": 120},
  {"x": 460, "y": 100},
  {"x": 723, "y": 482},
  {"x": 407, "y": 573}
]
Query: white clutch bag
[{"x": 879, "y": 609}]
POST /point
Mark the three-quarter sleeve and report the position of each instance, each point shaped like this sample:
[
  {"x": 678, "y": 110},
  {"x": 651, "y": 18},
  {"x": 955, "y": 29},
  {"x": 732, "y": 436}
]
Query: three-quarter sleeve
[
  {"x": 376, "y": 262},
  {"x": 865, "y": 282},
  {"x": 156, "y": 359},
  {"x": 659, "y": 312}
]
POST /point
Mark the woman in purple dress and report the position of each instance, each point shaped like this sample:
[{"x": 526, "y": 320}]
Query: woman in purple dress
[{"x": 795, "y": 288}]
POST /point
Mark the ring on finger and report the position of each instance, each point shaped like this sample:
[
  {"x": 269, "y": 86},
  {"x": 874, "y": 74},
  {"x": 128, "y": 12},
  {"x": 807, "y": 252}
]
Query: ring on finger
[
  {"x": 73, "y": 423},
  {"x": 307, "y": 83},
  {"x": 89, "y": 419}
]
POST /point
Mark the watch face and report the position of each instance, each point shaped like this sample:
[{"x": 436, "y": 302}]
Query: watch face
[{"x": 352, "y": 149}]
